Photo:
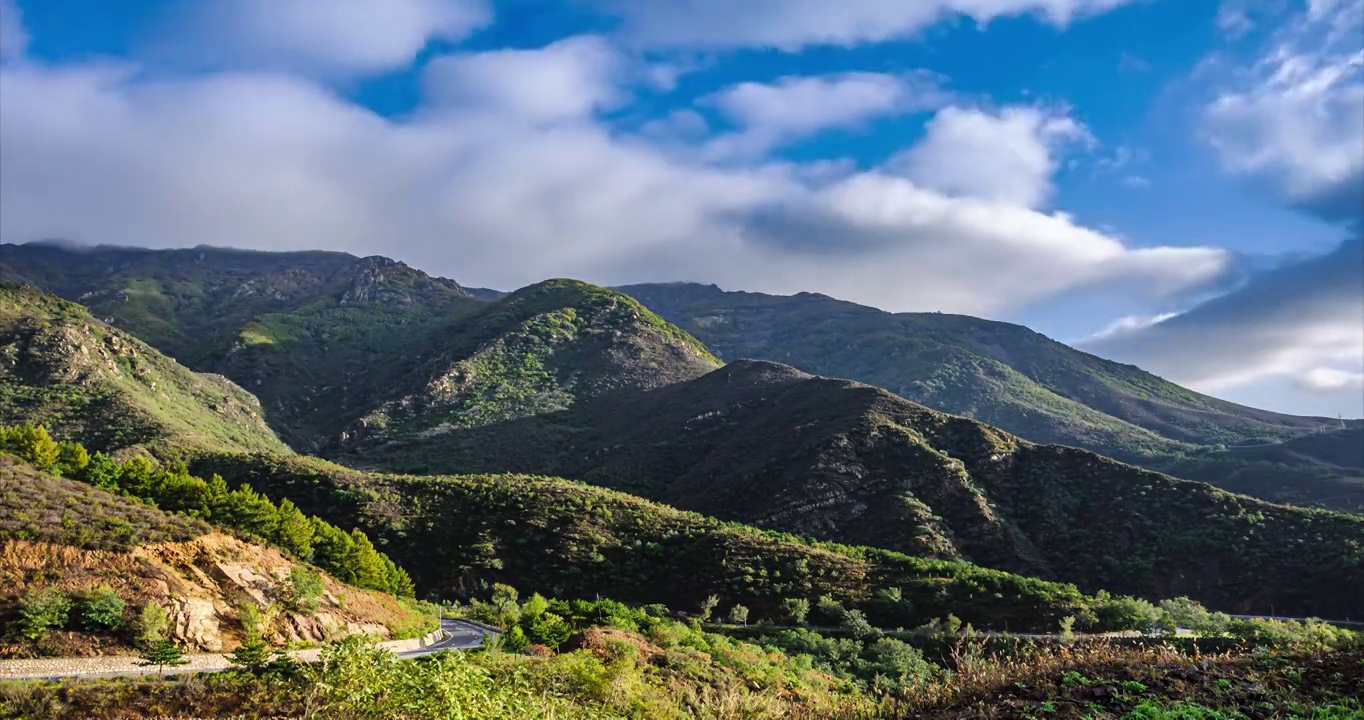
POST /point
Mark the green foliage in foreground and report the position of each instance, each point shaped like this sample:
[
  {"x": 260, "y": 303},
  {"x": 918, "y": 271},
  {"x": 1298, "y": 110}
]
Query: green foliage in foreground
[
  {"x": 663, "y": 670},
  {"x": 349, "y": 557}
]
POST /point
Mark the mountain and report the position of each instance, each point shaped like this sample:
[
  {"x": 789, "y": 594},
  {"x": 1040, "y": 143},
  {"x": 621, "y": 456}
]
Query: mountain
[
  {"x": 570, "y": 380},
  {"x": 69, "y": 537},
  {"x": 767, "y": 445},
  {"x": 1013, "y": 378},
  {"x": 303, "y": 331},
  {"x": 62, "y": 367},
  {"x": 541, "y": 349},
  {"x": 335, "y": 344}
]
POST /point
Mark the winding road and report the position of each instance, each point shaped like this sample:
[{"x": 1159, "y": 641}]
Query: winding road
[
  {"x": 455, "y": 635},
  {"x": 459, "y": 635}
]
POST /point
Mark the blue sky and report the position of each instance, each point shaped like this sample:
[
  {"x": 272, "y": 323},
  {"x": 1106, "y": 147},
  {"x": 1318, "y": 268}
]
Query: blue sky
[{"x": 1132, "y": 176}]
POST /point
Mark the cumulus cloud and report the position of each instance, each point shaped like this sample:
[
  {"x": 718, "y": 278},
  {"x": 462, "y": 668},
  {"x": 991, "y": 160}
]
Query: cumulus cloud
[
  {"x": 792, "y": 24},
  {"x": 1294, "y": 119},
  {"x": 569, "y": 79},
  {"x": 337, "y": 36},
  {"x": 1009, "y": 156},
  {"x": 969, "y": 254},
  {"x": 507, "y": 174},
  {"x": 799, "y": 106},
  {"x": 1303, "y": 320}
]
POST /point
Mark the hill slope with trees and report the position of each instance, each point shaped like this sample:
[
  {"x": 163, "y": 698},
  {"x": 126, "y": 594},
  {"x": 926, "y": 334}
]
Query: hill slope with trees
[
  {"x": 767, "y": 445},
  {"x": 1013, "y": 378}
]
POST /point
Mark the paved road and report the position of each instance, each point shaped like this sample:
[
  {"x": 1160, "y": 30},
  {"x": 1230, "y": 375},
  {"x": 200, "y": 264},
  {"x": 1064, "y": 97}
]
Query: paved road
[{"x": 459, "y": 635}]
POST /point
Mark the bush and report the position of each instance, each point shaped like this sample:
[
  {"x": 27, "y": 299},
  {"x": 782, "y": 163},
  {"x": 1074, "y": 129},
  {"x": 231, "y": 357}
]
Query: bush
[
  {"x": 549, "y": 630},
  {"x": 42, "y": 610},
  {"x": 855, "y": 621},
  {"x": 101, "y": 610},
  {"x": 797, "y": 610},
  {"x": 32, "y": 444},
  {"x": 303, "y": 591},
  {"x": 151, "y": 625},
  {"x": 738, "y": 615}
]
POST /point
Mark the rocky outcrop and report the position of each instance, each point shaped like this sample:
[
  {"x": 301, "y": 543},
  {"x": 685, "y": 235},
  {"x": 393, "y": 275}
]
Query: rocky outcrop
[{"x": 202, "y": 585}]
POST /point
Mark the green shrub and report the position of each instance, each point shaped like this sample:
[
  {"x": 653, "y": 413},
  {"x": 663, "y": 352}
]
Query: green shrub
[
  {"x": 152, "y": 621},
  {"x": 303, "y": 592},
  {"x": 797, "y": 609},
  {"x": 101, "y": 610},
  {"x": 42, "y": 610}
]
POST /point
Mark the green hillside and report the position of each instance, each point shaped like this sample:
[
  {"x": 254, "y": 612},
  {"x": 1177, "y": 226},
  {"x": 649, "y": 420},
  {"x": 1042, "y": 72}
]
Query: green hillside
[
  {"x": 305, "y": 332},
  {"x": 541, "y": 349},
  {"x": 1004, "y": 375},
  {"x": 573, "y": 540},
  {"x": 61, "y": 367},
  {"x": 335, "y": 344},
  {"x": 566, "y": 379},
  {"x": 67, "y": 541},
  {"x": 767, "y": 445}
]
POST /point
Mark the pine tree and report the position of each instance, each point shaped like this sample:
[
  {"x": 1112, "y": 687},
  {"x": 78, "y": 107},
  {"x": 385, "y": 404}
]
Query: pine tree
[
  {"x": 250, "y": 511},
  {"x": 253, "y": 655},
  {"x": 295, "y": 532},
  {"x": 71, "y": 459},
  {"x": 162, "y": 654},
  {"x": 102, "y": 472},
  {"x": 708, "y": 607},
  {"x": 368, "y": 564},
  {"x": 32, "y": 443}
]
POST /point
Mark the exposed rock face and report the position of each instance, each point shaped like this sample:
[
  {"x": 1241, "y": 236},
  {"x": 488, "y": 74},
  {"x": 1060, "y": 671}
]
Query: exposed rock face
[
  {"x": 201, "y": 584},
  {"x": 194, "y": 623}
]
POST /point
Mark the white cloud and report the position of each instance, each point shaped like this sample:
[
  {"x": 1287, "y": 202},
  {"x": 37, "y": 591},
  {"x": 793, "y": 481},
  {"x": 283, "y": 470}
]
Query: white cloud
[
  {"x": 569, "y": 79},
  {"x": 1331, "y": 380},
  {"x": 952, "y": 253},
  {"x": 1128, "y": 324},
  {"x": 800, "y": 106},
  {"x": 1009, "y": 156},
  {"x": 336, "y": 36},
  {"x": 1284, "y": 322},
  {"x": 1136, "y": 182},
  {"x": 506, "y": 184},
  {"x": 1295, "y": 118},
  {"x": 13, "y": 36},
  {"x": 792, "y": 24}
]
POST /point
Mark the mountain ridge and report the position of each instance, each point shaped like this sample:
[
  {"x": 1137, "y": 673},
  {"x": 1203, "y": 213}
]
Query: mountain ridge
[{"x": 1014, "y": 378}]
